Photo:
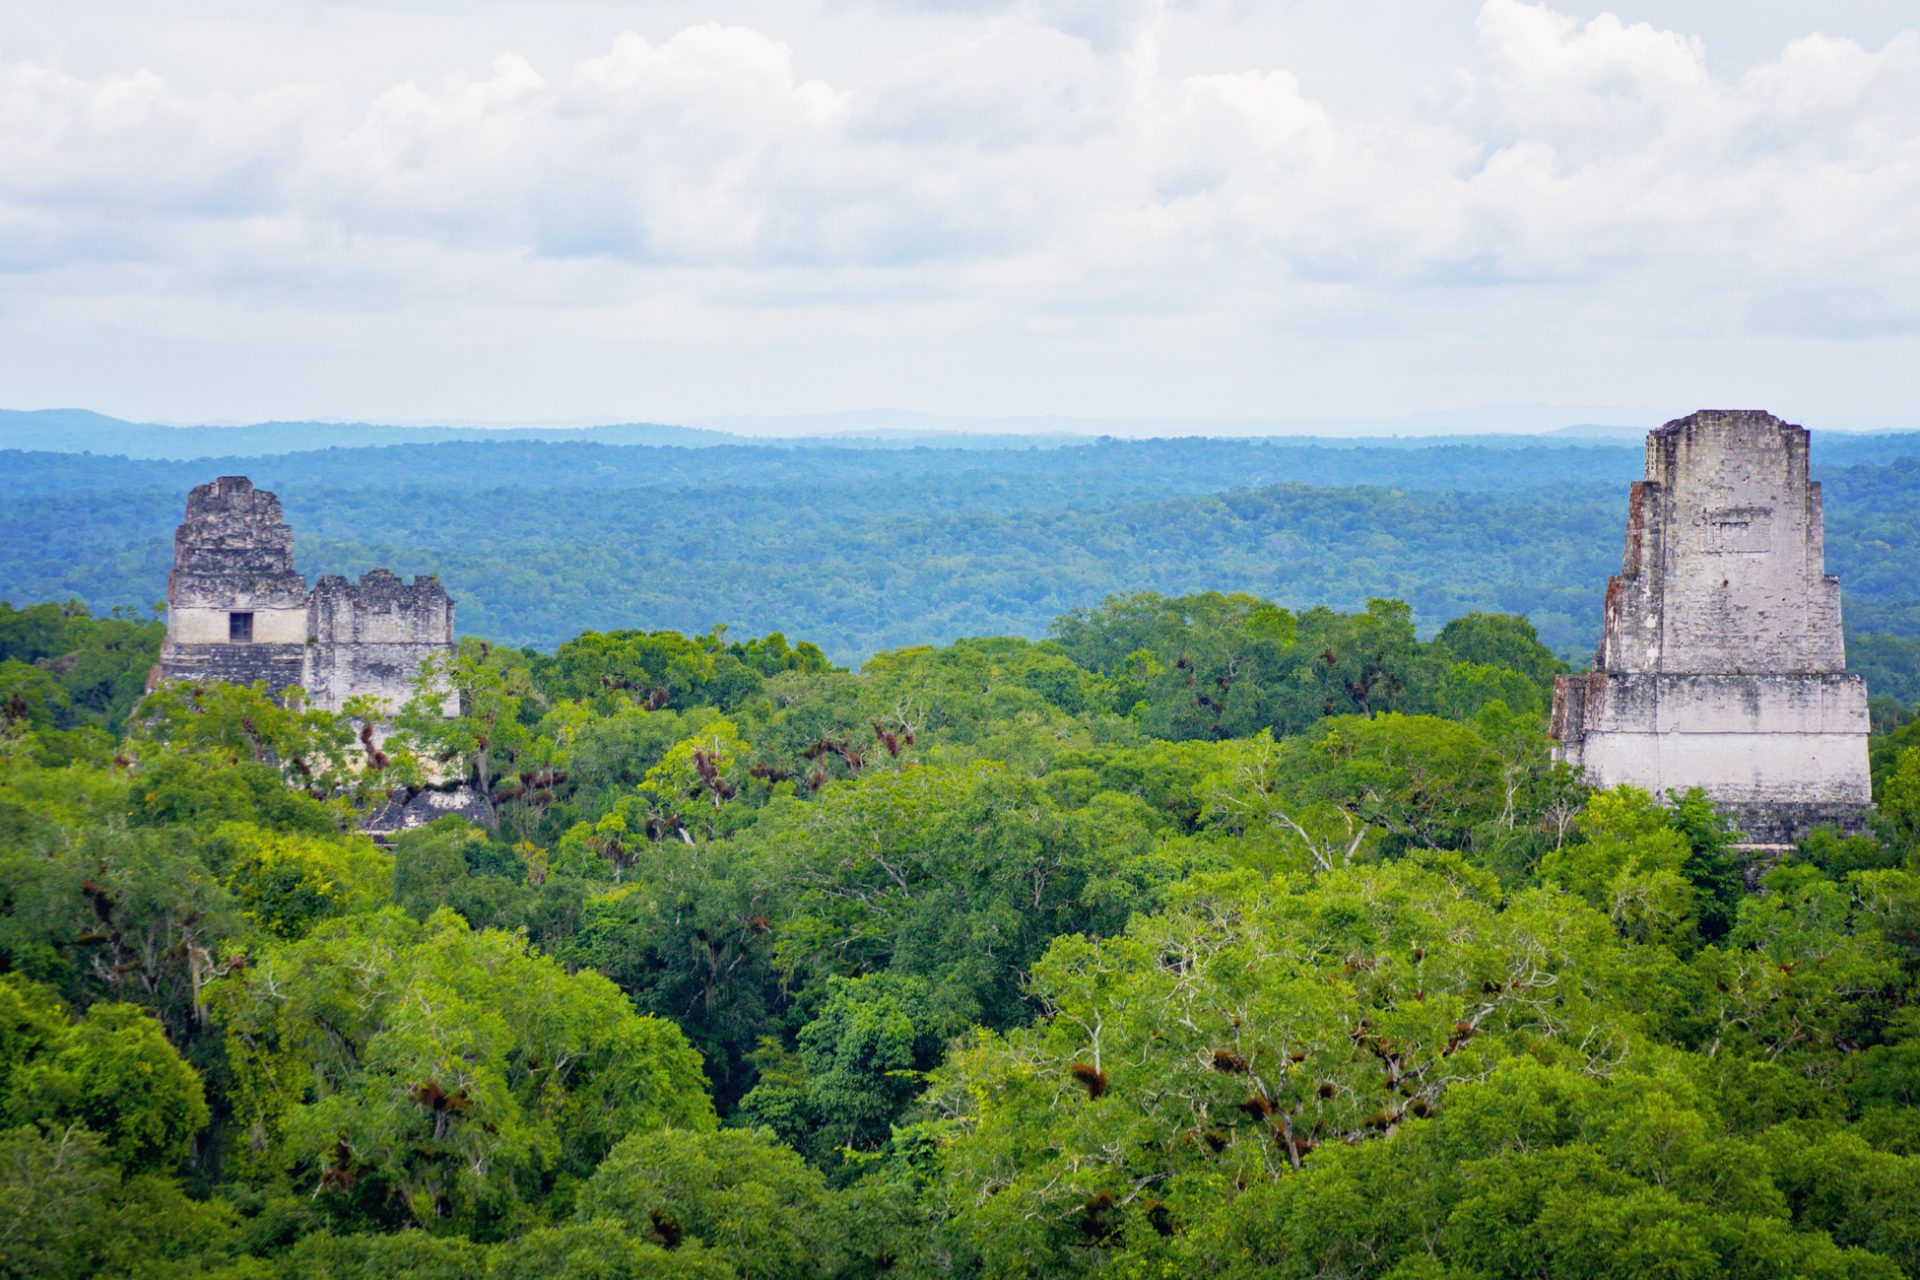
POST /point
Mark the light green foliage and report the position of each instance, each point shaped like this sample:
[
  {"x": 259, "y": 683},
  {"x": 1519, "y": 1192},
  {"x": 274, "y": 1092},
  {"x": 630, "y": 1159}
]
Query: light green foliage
[
  {"x": 958, "y": 874},
  {"x": 112, "y": 1071},
  {"x": 1801, "y": 974},
  {"x": 600, "y": 1251},
  {"x": 1354, "y": 789},
  {"x": 1467, "y": 688},
  {"x": 1837, "y": 854},
  {"x": 1229, "y": 1038},
  {"x": 689, "y": 790},
  {"x": 1664, "y": 874},
  {"x": 101, "y": 909},
  {"x": 287, "y": 882},
  {"x": 1501, "y": 641},
  {"x": 1888, "y": 902},
  {"x": 1219, "y": 666},
  {"x": 1420, "y": 782},
  {"x": 1835, "y": 1182},
  {"x": 1257, "y": 796},
  {"x": 1898, "y": 795},
  {"x": 196, "y": 794},
  {"x": 230, "y": 725},
  {"x": 30, "y": 698},
  {"x": 379, "y": 1060},
  {"x": 626, "y": 665},
  {"x": 1537, "y": 1170},
  {"x": 1629, "y": 862},
  {"x": 1009, "y": 700},
  {"x": 739, "y": 1193},
  {"x": 31, "y": 1018},
  {"x": 616, "y": 748},
  {"x": 408, "y": 1255},
  {"x": 1166, "y": 777},
  {"x": 658, "y": 669},
  {"x": 568, "y": 1251}
]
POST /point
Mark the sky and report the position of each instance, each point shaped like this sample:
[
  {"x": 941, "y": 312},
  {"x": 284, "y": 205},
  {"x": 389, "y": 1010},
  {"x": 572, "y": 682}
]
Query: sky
[{"x": 1230, "y": 211}]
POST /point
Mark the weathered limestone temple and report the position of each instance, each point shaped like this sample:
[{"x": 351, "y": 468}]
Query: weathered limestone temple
[
  {"x": 1722, "y": 664},
  {"x": 238, "y": 611}
]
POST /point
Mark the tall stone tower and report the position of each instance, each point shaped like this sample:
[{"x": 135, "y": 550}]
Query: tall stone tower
[
  {"x": 1722, "y": 664},
  {"x": 236, "y": 607},
  {"x": 239, "y": 612}
]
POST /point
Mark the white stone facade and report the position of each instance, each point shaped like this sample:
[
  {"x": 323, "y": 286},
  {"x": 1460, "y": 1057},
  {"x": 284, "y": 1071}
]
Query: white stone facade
[{"x": 1722, "y": 664}]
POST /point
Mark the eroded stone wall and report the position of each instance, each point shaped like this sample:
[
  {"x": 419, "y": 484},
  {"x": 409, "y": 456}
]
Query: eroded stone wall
[
  {"x": 1725, "y": 565},
  {"x": 370, "y": 637},
  {"x": 1722, "y": 663}
]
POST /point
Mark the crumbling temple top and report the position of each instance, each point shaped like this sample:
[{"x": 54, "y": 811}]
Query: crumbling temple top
[
  {"x": 1722, "y": 664},
  {"x": 1726, "y": 556},
  {"x": 238, "y": 611}
]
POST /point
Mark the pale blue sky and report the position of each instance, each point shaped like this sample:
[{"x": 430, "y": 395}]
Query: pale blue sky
[{"x": 1211, "y": 209}]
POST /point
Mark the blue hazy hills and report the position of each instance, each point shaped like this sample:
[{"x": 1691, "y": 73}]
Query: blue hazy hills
[{"x": 868, "y": 543}]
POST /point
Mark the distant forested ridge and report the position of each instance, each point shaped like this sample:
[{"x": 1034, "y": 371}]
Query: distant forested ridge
[
  {"x": 82, "y": 431},
  {"x": 867, "y": 549}
]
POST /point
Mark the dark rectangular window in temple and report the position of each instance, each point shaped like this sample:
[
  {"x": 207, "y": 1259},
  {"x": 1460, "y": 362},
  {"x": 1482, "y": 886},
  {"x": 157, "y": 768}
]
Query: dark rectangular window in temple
[{"x": 240, "y": 627}]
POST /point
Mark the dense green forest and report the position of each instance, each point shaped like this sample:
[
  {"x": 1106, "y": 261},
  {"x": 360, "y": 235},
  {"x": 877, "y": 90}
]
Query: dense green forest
[
  {"x": 865, "y": 550},
  {"x": 1203, "y": 937}
]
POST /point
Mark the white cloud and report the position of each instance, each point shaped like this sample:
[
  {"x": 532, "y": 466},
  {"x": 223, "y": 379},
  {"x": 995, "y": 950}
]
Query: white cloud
[{"x": 1045, "y": 168}]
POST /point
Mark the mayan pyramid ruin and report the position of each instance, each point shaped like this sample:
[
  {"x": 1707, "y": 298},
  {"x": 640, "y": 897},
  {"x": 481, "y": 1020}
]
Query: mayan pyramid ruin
[{"x": 1722, "y": 664}]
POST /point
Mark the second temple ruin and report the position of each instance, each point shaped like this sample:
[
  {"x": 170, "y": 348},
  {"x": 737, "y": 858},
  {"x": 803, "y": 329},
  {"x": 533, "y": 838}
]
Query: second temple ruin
[
  {"x": 1722, "y": 664},
  {"x": 238, "y": 611}
]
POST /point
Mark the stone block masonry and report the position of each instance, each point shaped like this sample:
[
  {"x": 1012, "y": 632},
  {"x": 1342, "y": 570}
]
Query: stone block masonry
[
  {"x": 1722, "y": 664},
  {"x": 238, "y": 611},
  {"x": 370, "y": 638}
]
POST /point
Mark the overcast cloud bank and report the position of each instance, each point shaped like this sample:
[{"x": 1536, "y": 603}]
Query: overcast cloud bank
[{"x": 1033, "y": 215}]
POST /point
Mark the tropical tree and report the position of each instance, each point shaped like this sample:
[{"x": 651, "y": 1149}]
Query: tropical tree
[{"x": 426, "y": 1072}]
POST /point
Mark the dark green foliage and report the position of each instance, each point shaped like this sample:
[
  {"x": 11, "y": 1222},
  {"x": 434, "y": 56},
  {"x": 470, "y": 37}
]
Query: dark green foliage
[
  {"x": 67, "y": 1213},
  {"x": 1711, "y": 867},
  {"x": 686, "y": 935},
  {"x": 1891, "y": 664},
  {"x": 61, "y": 667},
  {"x": 666, "y": 669},
  {"x": 1503, "y": 641},
  {"x": 450, "y": 864},
  {"x": 862, "y": 1060}
]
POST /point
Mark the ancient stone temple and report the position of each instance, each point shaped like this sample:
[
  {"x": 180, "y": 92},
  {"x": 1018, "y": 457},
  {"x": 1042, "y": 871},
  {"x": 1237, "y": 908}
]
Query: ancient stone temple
[
  {"x": 1722, "y": 664},
  {"x": 238, "y": 611}
]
